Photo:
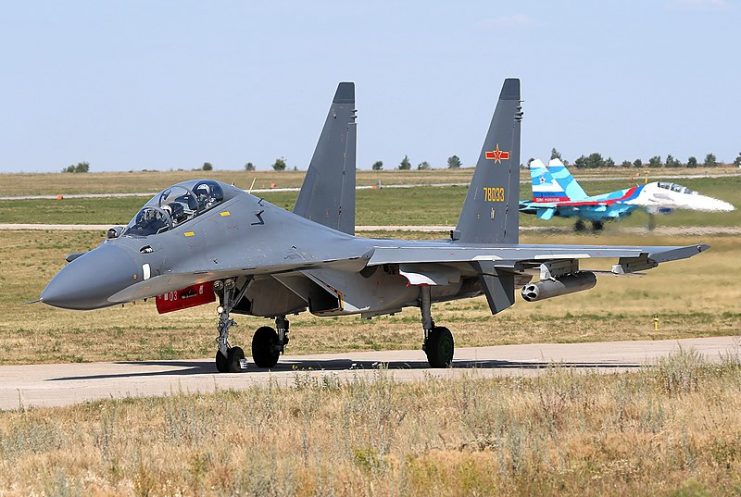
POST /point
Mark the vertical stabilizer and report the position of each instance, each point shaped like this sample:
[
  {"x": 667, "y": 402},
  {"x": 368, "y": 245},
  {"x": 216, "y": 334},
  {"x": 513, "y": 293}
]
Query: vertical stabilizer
[
  {"x": 564, "y": 178},
  {"x": 545, "y": 187},
  {"x": 327, "y": 195},
  {"x": 490, "y": 212}
]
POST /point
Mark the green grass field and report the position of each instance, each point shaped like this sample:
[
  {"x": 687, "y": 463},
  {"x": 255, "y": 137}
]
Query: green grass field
[
  {"x": 416, "y": 206},
  {"x": 57, "y": 183}
]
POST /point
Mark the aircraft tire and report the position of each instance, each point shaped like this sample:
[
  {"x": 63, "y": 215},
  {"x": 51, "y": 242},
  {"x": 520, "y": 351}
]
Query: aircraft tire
[
  {"x": 265, "y": 351},
  {"x": 440, "y": 347},
  {"x": 221, "y": 363},
  {"x": 233, "y": 360},
  {"x": 579, "y": 226}
]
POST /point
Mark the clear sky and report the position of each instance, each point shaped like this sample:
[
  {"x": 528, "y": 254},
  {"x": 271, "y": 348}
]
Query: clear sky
[{"x": 170, "y": 84}]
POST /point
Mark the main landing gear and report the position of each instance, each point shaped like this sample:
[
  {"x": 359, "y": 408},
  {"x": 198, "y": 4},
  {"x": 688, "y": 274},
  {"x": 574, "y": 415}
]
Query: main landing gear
[
  {"x": 597, "y": 226},
  {"x": 438, "y": 341},
  {"x": 267, "y": 344}
]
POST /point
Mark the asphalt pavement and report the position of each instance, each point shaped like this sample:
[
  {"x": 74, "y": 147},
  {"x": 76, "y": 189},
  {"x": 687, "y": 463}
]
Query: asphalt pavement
[{"x": 42, "y": 385}]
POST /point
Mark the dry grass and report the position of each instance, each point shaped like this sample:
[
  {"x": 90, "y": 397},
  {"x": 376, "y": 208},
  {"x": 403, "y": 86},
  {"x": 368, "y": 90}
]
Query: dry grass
[
  {"x": 693, "y": 298},
  {"x": 57, "y": 183},
  {"x": 672, "y": 430}
]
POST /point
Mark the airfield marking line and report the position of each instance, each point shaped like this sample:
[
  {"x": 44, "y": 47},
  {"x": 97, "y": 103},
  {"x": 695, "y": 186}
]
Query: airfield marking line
[
  {"x": 662, "y": 230},
  {"x": 367, "y": 187},
  {"x": 40, "y": 385}
]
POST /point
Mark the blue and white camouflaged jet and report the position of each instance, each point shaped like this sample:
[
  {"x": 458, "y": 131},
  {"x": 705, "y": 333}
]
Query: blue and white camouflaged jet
[
  {"x": 556, "y": 193},
  {"x": 200, "y": 240}
]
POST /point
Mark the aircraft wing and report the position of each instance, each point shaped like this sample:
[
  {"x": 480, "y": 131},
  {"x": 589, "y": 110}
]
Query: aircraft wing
[
  {"x": 630, "y": 257},
  {"x": 164, "y": 283}
]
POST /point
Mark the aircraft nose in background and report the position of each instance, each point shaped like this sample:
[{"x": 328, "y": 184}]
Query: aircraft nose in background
[{"x": 88, "y": 281}]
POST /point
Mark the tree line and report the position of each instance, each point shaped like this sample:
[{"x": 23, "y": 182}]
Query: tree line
[
  {"x": 595, "y": 160},
  {"x": 591, "y": 161}
]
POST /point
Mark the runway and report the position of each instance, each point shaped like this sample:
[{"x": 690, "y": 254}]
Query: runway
[{"x": 65, "y": 384}]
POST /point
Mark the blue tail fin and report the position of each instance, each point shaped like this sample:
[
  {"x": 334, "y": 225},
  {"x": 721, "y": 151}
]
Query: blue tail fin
[
  {"x": 566, "y": 180},
  {"x": 545, "y": 188}
]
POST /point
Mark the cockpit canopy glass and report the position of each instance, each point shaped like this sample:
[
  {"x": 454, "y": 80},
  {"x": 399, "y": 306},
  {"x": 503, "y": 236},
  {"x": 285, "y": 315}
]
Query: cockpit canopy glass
[
  {"x": 675, "y": 188},
  {"x": 176, "y": 205}
]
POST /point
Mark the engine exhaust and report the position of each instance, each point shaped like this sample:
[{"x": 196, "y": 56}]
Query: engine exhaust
[{"x": 570, "y": 283}]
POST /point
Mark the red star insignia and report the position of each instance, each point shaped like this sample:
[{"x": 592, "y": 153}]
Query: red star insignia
[{"x": 497, "y": 155}]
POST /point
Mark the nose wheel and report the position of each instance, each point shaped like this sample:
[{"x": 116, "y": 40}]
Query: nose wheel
[
  {"x": 228, "y": 359},
  {"x": 232, "y": 362}
]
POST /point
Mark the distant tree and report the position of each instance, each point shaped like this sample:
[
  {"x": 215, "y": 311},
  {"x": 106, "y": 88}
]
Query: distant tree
[
  {"x": 555, "y": 154},
  {"x": 377, "y": 166},
  {"x": 638, "y": 163},
  {"x": 737, "y": 162},
  {"x": 423, "y": 166},
  {"x": 279, "y": 164},
  {"x": 595, "y": 160},
  {"x": 249, "y": 167},
  {"x": 609, "y": 162},
  {"x": 672, "y": 162},
  {"x": 655, "y": 161},
  {"x": 710, "y": 161},
  {"x": 581, "y": 162},
  {"x": 80, "y": 167},
  {"x": 692, "y": 161},
  {"x": 626, "y": 163},
  {"x": 207, "y": 166},
  {"x": 405, "y": 165},
  {"x": 454, "y": 162}
]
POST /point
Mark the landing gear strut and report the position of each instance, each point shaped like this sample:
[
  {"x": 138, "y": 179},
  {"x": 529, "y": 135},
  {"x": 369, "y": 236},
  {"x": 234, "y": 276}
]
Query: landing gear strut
[
  {"x": 228, "y": 359},
  {"x": 268, "y": 345},
  {"x": 438, "y": 341}
]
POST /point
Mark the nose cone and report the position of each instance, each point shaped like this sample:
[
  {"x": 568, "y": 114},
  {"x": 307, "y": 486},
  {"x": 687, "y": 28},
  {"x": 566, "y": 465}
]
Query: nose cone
[
  {"x": 88, "y": 281},
  {"x": 710, "y": 204}
]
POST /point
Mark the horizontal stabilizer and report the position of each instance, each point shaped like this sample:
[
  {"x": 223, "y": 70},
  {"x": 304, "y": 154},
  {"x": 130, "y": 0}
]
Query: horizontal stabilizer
[{"x": 546, "y": 214}]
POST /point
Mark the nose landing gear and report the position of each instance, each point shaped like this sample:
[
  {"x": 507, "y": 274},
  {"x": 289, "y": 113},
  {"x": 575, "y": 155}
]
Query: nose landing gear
[{"x": 228, "y": 359}]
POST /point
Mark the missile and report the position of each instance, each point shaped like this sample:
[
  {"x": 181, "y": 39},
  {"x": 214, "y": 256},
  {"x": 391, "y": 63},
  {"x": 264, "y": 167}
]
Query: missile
[{"x": 570, "y": 283}]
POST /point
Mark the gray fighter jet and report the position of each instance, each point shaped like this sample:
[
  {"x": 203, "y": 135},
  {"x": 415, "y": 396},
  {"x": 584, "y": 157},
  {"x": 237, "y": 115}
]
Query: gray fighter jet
[{"x": 201, "y": 239}]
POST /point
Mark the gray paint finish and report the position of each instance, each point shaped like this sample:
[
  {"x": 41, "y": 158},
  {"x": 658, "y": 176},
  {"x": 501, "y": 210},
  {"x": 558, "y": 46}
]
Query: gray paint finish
[
  {"x": 309, "y": 259},
  {"x": 327, "y": 195}
]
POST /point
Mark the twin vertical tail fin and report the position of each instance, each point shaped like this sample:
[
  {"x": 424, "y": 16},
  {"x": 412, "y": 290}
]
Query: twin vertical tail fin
[
  {"x": 545, "y": 187},
  {"x": 490, "y": 211},
  {"x": 327, "y": 195},
  {"x": 567, "y": 182}
]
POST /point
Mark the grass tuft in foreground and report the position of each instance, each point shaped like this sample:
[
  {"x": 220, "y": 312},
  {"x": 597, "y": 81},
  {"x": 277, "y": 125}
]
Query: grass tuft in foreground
[{"x": 673, "y": 430}]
